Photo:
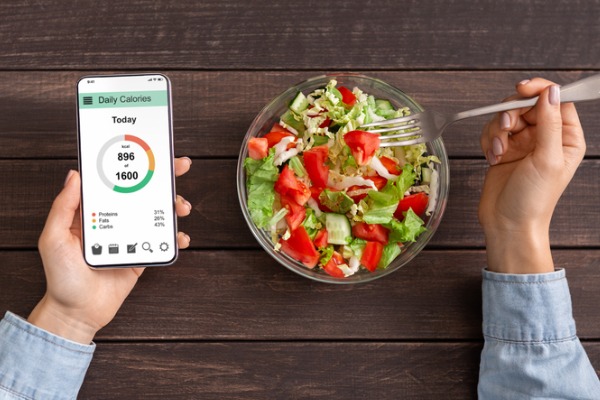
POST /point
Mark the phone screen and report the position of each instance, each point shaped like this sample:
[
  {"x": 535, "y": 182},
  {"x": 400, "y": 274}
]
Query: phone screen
[{"x": 126, "y": 165}]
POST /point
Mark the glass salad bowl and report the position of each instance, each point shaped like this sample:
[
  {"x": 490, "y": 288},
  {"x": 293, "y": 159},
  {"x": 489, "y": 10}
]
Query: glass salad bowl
[{"x": 272, "y": 113}]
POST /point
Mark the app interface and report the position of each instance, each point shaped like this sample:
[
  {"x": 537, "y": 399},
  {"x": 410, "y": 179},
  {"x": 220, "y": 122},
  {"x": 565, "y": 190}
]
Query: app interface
[{"x": 126, "y": 169}]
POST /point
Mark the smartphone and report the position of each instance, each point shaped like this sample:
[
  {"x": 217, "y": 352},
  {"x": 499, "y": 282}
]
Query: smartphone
[{"x": 125, "y": 140}]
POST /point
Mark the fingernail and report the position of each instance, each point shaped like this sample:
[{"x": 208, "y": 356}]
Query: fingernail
[
  {"x": 491, "y": 158},
  {"x": 497, "y": 147},
  {"x": 187, "y": 237},
  {"x": 505, "y": 121},
  {"x": 554, "y": 95},
  {"x": 188, "y": 204},
  {"x": 69, "y": 176},
  {"x": 189, "y": 160},
  {"x": 524, "y": 82}
]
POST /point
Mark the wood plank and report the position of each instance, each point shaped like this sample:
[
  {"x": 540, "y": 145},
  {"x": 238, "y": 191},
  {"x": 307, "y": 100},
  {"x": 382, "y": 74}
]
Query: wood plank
[
  {"x": 415, "y": 34},
  {"x": 213, "y": 110},
  {"x": 30, "y": 186},
  {"x": 283, "y": 371},
  {"x": 346, "y": 371},
  {"x": 245, "y": 295}
]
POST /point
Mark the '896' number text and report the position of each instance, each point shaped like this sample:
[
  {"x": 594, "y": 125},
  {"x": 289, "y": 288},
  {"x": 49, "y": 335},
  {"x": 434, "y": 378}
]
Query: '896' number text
[{"x": 126, "y": 156}]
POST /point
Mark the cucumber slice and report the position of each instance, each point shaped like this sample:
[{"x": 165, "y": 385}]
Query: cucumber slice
[
  {"x": 384, "y": 105},
  {"x": 289, "y": 118},
  {"x": 338, "y": 227},
  {"x": 425, "y": 175},
  {"x": 320, "y": 140},
  {"x": 299, "y": 104}
]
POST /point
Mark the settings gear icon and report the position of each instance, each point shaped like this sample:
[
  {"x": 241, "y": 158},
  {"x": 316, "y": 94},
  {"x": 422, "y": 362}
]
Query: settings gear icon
[{"x": 164, "y": 246}]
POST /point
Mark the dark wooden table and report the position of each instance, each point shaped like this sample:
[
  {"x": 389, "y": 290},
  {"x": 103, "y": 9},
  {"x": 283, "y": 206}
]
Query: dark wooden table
[{"x": 228, "y": 322}]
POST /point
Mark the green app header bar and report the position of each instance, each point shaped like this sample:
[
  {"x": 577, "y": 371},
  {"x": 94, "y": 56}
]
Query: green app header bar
[{"x": 153, "y": 98}]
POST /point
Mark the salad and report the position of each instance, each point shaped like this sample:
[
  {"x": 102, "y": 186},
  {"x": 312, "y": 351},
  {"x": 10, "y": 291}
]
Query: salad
[{"x": 329, "y": 195}]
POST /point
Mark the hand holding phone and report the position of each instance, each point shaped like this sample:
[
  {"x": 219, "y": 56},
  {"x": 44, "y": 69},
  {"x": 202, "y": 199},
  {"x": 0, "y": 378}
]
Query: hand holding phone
[
  {"x": 79, "y": 300},
  {"x": 127, "y": 175}
]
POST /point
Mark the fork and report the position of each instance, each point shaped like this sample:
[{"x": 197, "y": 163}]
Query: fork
[{"x": 427, "y": 126}]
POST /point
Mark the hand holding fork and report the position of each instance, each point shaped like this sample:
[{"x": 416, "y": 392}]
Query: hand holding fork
[{"x": 427, "y": 126}]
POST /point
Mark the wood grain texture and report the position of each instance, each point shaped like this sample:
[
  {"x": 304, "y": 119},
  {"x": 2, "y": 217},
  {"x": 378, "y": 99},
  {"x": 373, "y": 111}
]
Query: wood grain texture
[
  {"x": 246, "y": 295},
  {"x": 213, "y": 109},
  {"x": 227, "y": 321},
  {"x": 378, "y": 34},
  {"x": 217, "y": 221},
  {"x": 283, "y": 371},
  {"x": 348, "y": 371}
]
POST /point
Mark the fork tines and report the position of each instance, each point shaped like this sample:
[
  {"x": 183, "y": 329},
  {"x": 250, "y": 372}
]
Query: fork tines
[
  {"x": 408, "y": 120},
  {"x": 407, "y": 138},
  {"x": 405, "y": 128},
  {"x": 410, "y": 124}
]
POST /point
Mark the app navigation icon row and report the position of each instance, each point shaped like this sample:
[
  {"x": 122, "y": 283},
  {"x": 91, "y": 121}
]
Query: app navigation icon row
[{"x": 114, "y": 248}]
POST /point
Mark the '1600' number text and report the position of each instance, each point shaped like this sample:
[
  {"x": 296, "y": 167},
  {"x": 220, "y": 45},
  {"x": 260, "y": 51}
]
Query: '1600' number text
[{"x": 127, "y": 175}]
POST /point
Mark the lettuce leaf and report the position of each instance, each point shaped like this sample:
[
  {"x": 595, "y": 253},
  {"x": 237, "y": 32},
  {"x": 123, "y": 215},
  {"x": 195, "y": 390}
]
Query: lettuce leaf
[
  {"x": 381, "y": 205},
  {"x": 260, "y": 182},
  {"x": 326, "y": 254},
  {"x": 390, "y": 252},
  {"x": 311, "y": 223},
  {"x": 338, "y": 202},
  {"x": 357, "y": 246},
  {"x": 406, "y": 179},
  {"x": 406, "y": 231}
]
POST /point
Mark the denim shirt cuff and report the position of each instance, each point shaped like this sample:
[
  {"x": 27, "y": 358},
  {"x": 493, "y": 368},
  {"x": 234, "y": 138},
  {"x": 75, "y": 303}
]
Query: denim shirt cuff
[
  {"x": 528, "y": 307},
  {"x": 37, "y": 364}
]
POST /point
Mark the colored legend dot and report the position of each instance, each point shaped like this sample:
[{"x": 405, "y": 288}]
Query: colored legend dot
[
  {"x": 94, "y": 227},
  {"x": 93, "y": 214},
  {"x": 93, "y": 220}
]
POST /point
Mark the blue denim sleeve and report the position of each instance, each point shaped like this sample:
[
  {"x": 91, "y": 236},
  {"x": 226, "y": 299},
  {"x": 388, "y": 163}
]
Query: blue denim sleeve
[
  {"x": 35, "y": 364},
  {"x": 531, "y": 350}
]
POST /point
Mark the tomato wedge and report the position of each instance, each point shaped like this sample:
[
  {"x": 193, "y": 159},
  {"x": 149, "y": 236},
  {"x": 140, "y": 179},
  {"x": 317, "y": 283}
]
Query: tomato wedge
[
  {"x": 288, "y": 185},
  {"x": 347, "y": 96},
  {"x": 315, "y": 192},
  {"x": 332, "y": 265},
  {"x": 278, "y": 128},
  {"x": 300, "y": 247},
  {"x": 389, "y": 164},
  {"x": 321, "y": 238},
  {"x": 362, "y": 145},
  {"x": 314, "y": 162},
  {"x": 371, "y": 255},
  {"x": 371, "y": 232},
  {"x": 258, "y": 148},
  {"x": 325, "y": 123},
  {"x": 379, "y": 182},
  {"x": 275, "y": 137},
  {"x": 417, "y": 201},
  {"x": 296, "y": 213}
]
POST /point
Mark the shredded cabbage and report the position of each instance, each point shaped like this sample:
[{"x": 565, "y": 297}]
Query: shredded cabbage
[
  {"x": 341, "y": 182},
  {"x": 381, "y": 169},
  {"x": 434, "y": 187}
]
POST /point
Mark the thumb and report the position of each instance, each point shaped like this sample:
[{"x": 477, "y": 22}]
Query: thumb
[
  {"x": 65, "y": 205},
  {"x": 549, "y": 124}
]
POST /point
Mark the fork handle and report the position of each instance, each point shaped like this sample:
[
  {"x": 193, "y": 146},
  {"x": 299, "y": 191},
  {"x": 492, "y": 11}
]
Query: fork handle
[{"x": 582, "y": 90}]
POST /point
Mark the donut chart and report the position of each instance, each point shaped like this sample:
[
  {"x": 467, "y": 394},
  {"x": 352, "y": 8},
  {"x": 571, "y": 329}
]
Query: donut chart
[{"x": 126, "y": 140}]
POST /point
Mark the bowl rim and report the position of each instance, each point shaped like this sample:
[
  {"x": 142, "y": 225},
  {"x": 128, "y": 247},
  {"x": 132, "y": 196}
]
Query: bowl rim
[{"x": 413, "y": 249}]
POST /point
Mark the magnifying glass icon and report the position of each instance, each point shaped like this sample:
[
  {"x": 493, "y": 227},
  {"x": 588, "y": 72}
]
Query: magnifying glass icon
[{"x": 146, "y": 246}]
